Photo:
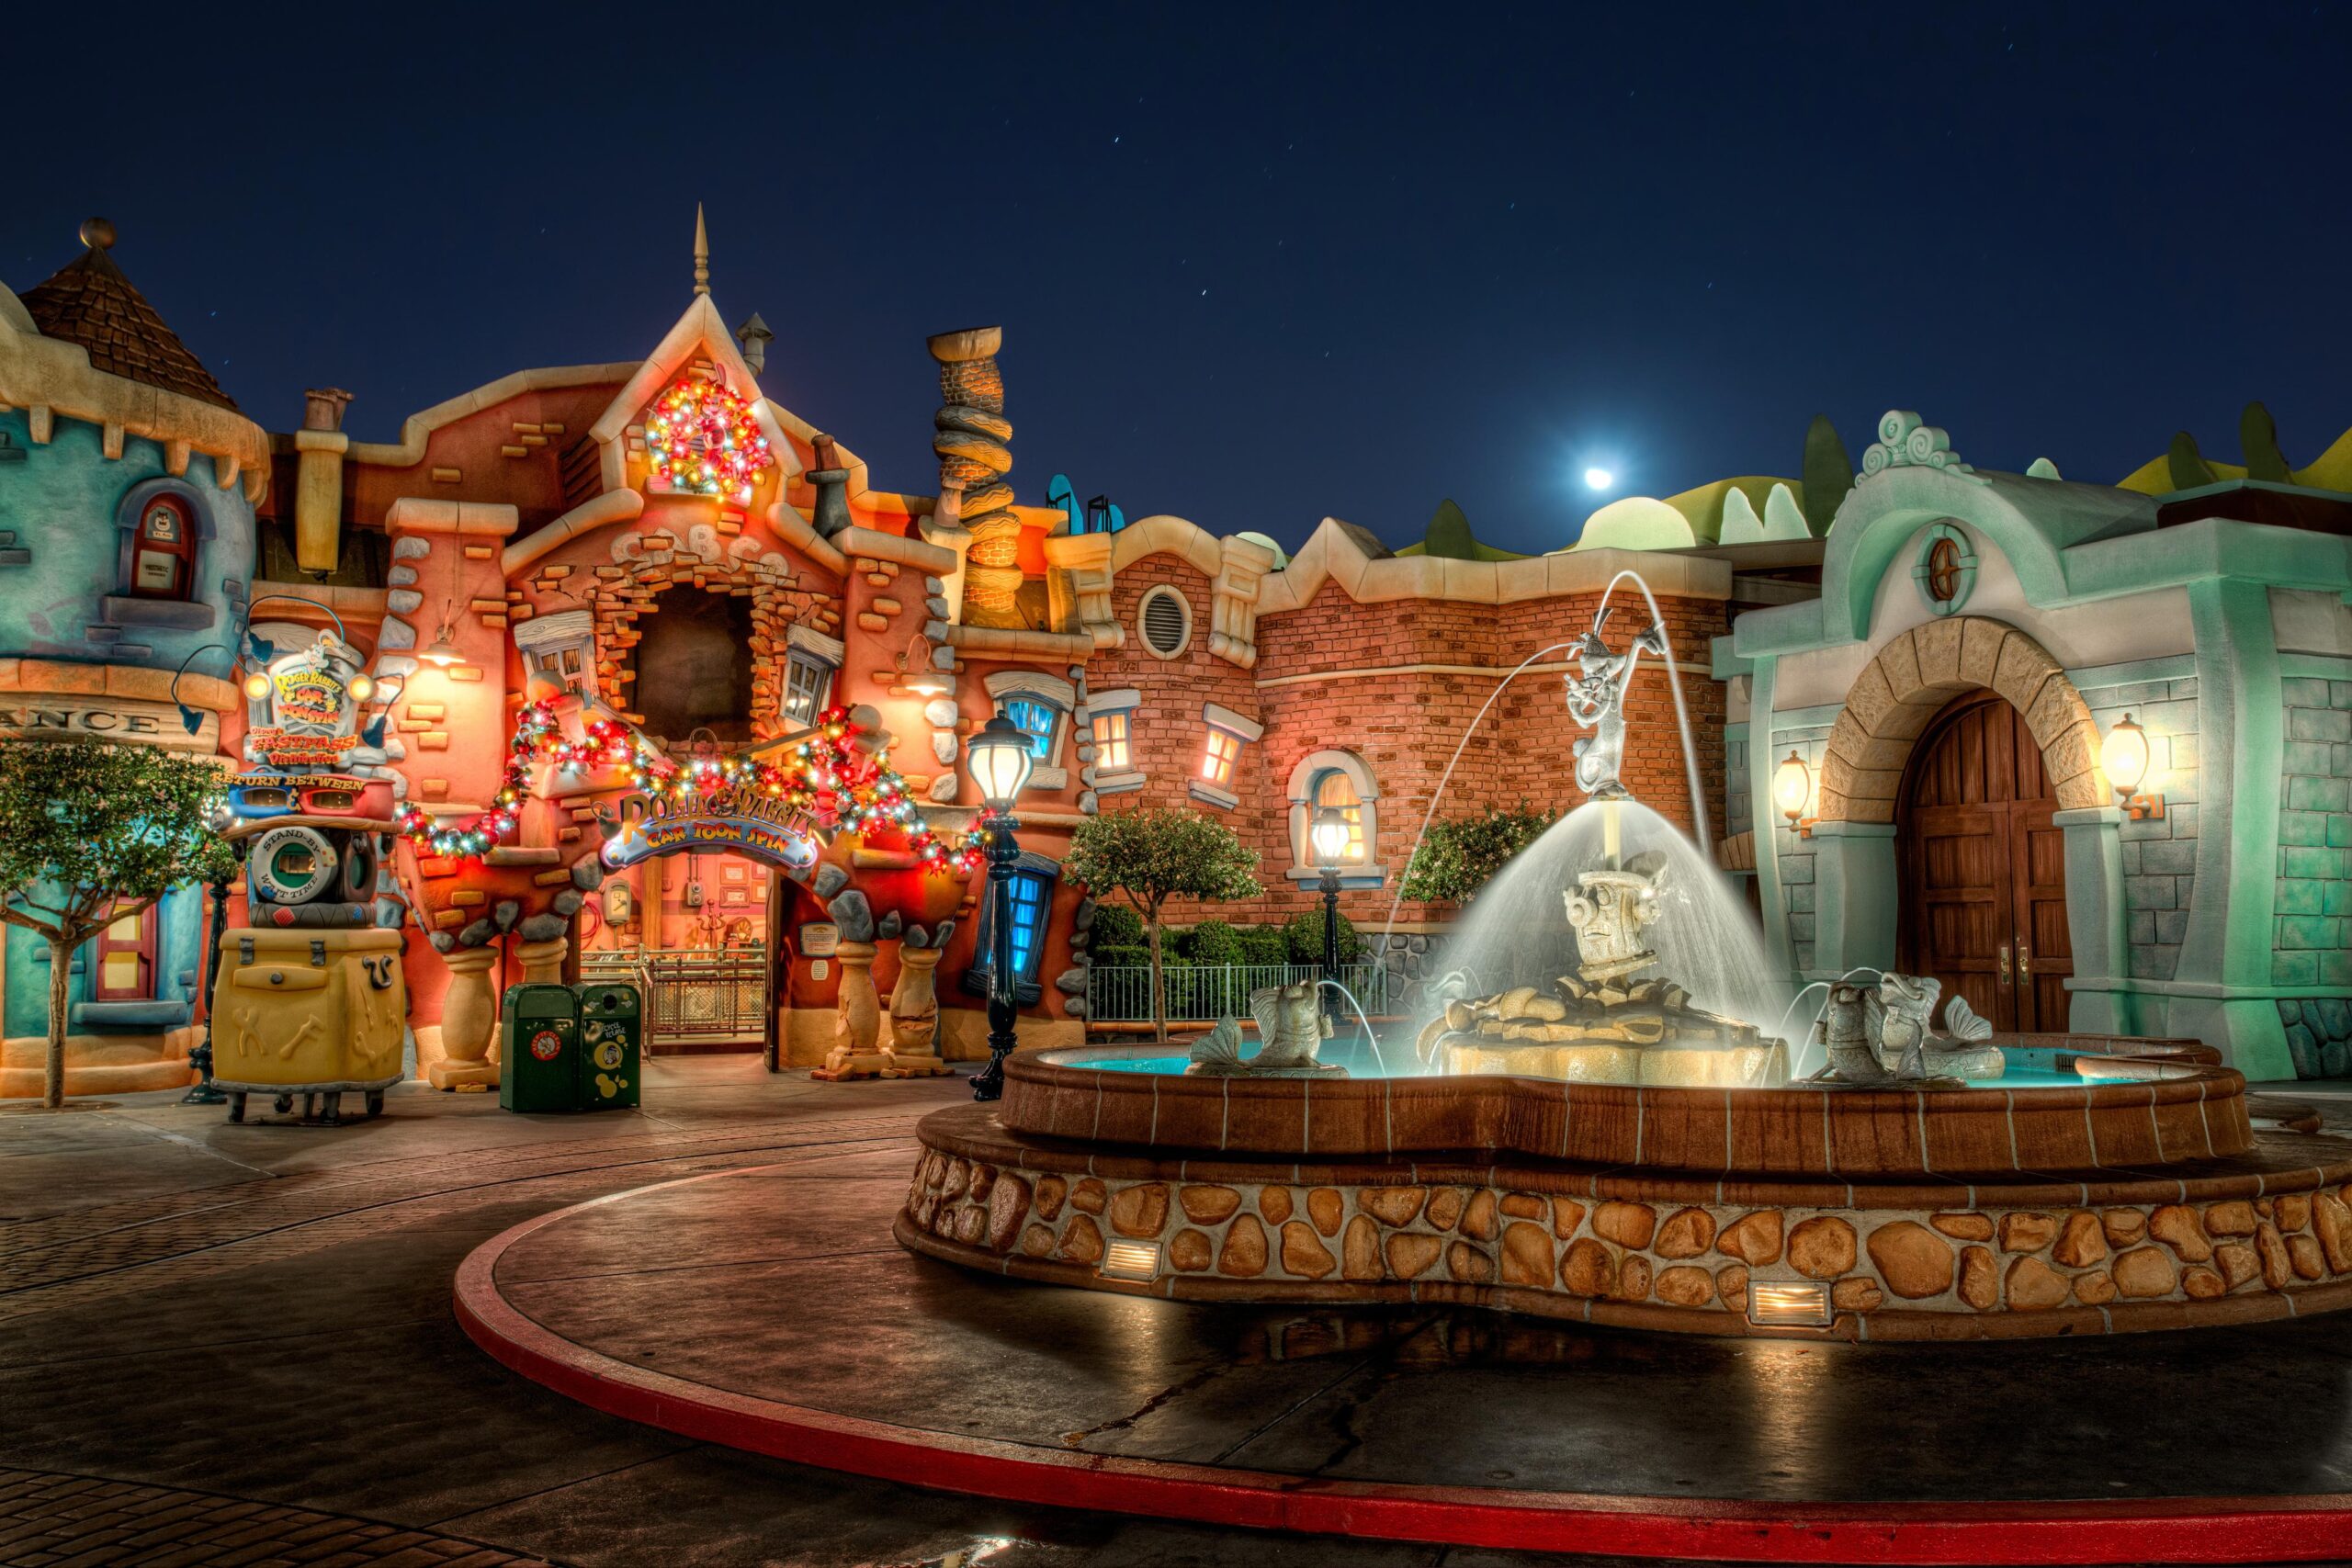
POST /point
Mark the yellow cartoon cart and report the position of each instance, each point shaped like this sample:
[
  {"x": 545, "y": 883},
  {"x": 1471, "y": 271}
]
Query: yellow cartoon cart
[{"x": 314, "y": 1012}]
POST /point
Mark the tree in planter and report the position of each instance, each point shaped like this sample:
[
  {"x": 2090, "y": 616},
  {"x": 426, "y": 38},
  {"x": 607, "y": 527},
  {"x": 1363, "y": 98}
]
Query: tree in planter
[
  {"x": 93, "y": 833},
  {"x": 1460, "y": 855},
  {"x": 1149, "y": 857}
]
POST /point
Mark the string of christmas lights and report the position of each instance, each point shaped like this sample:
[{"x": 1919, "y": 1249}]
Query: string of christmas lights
[
  {"x": 700, "y": 438},
  {"x": 837, "y": 784}
]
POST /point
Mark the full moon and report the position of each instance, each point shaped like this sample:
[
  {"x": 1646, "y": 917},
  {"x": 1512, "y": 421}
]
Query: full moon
[{"x": 1598, "y": 479}]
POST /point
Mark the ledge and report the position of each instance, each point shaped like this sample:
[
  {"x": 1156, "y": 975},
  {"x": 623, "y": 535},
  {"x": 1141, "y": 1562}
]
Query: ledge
[
  {"x": 1073, "y": 647},
  {"x": 127, "y": 1015},
  {"x": 179, "y": 614}
]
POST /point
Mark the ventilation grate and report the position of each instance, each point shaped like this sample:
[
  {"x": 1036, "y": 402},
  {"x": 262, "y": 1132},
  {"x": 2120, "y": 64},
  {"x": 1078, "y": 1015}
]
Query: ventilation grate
[{"x": 1166, "y": 622}]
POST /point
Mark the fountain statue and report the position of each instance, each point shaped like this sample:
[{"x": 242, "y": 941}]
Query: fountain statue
[
  {"x": 1604, "y": 1023},
  {"x": 1292, "y": 1027},
  {"x": 1879, "y": 1035}
]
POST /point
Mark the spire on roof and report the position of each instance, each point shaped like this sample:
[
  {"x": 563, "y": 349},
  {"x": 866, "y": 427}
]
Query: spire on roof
[
  {"x": 90, "y": 302},
  {"x": 702, "y": 254}
]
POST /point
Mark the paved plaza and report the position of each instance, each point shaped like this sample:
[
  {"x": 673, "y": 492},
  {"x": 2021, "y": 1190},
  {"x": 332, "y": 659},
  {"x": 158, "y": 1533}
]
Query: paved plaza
[{"x": 235, "y": 1344}]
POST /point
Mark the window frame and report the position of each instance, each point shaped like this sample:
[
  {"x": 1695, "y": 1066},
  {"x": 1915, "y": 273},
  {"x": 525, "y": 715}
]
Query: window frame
[
  {"x": 1306, "y": 781},
  {"x": 1044, "y": 744},
  {"x": 141, "y": 945},
  {"x": 1121, "y": 741},
  {"x": 1042, "y": 876},
  {"x": 800, "y": 662},
  {"x": 180, "y": 551}
]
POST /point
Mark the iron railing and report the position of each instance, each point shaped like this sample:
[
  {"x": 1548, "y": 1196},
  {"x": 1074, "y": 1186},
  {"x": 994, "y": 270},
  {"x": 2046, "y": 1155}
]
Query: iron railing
[
  {"x": 1121, "y": 994},
  {"x": 693, "y": 996}
]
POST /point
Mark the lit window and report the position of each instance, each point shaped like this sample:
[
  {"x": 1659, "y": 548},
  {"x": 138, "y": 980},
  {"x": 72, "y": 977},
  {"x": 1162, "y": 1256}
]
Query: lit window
[
  {"x": 1334, "y": 788},
  {"x": 1111, "y": 740},
  {"x": 567, "y": 664},
  {"x": 127, "y": 958},
  {"x": 1033, "y": 878},
  {"x": 1036, "y": 721},
  {"x": 1217, "y": 764},
  {"x": 808, "y": 683}
]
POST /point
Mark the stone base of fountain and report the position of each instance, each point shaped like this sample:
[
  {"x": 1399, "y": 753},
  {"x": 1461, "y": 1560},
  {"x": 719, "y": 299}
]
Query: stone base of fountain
[
  {"x": 2144, "y": 1200},
  {"x": 1604, "y": 1031}
]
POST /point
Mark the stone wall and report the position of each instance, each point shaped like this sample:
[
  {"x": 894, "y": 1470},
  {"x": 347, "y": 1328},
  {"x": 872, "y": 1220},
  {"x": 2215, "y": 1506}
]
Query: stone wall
[
  {"x": 2314, "y": 940},
  {"x": 1807, "y": 734},
  {"x": 2159, "y": 853},
  {"x": 1982, "y": 1270}
]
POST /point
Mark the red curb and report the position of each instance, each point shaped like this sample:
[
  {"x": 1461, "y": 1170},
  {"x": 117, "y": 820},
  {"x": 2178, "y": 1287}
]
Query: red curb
[{"x": 2172, "y": 1529}]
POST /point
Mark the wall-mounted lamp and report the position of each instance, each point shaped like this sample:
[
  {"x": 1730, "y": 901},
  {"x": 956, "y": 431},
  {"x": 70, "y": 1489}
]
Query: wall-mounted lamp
[
  {"x": 1792, "y": 789},
  {"x": 919, "y": 677},
  {"x": 2123, "y": 758},
  {"x": 443, "y": 652}
]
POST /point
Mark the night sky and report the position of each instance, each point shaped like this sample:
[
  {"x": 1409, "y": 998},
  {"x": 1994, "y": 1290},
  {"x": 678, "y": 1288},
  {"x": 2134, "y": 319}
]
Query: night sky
[{"x": 1258, "y": 267}]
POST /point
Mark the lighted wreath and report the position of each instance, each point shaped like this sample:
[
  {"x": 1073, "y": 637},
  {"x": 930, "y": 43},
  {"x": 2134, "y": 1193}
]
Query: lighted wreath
[
  {"x": 827, "y": 775},
  {"x": 701, "y": 439}
]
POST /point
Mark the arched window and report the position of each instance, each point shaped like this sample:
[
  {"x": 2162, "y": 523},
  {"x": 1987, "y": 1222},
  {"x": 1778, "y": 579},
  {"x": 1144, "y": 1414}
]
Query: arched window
[
  {"x": 164, "y": 550},
  {"x": 1340, "y": 780}
]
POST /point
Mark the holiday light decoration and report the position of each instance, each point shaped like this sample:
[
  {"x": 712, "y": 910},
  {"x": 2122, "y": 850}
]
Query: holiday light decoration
[
  {"x": 831, "y": 779},
  {"x": 701, "y": 438}
]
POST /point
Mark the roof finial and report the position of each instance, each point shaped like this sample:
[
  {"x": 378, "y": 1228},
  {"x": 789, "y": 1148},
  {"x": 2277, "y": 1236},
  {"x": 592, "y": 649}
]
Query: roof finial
[
  {"x": 97, "y": 234},
  {"x": 702, "y": 254}
]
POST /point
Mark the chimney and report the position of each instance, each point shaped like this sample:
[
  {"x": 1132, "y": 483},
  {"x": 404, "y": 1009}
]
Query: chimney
[
  {"x": 318, "y": 479},
  {"x": 755, "y": 337},
  {"x": 832, "y": 489}
]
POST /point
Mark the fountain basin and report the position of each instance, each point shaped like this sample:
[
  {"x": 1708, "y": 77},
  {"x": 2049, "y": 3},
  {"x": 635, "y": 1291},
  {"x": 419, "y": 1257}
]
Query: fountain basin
[
  {"x": 1883, "y": 1214},
  {"x": 2196, "y": 1113}
]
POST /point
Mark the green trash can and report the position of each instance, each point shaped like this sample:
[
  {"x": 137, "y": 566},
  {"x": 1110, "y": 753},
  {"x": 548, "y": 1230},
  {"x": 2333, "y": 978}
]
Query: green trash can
[
  {"x": 539, "y": 1049},
  {"x": 610, "y": 1040}
]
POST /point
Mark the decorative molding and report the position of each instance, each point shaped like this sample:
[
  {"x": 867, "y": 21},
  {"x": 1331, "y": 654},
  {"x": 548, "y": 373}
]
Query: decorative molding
[
  {"x": 1903, "y": 442},
  {"x": 1236, "y": 725},
  {"x": 1123, "y": 699},
  {"x": 809, "y": 640},
  {"x": 1004, "y": 684}
]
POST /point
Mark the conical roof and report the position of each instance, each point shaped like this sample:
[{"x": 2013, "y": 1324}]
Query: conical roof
[{"x": 90, "y": 302}]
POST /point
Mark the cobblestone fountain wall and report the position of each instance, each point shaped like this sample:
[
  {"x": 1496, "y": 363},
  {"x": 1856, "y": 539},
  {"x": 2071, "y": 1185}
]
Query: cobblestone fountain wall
[{"x": 1982, "y": 1270}]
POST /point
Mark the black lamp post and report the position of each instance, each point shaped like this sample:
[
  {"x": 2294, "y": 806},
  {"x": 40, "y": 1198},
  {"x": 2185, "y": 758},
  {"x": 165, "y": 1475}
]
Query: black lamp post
[
  {"x": 203, "y": 1093},
  {"x": 1000, "y": 761},
  {"x": 1330, "y": 834}
]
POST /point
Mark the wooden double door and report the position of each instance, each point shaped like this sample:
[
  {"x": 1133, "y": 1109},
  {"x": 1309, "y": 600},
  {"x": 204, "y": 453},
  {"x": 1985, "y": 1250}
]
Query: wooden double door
[{"x": 1981, "y": 904}]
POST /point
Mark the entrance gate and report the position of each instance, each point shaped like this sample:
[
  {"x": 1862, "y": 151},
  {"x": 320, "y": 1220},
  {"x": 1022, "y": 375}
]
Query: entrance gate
[{"x": 695, "y": 997}]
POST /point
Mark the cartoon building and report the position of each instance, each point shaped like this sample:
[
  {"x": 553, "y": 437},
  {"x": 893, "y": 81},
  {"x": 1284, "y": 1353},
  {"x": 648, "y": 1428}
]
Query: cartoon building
[
  {"x": 128, "y": 483},
  {"x": 656, "y": 553}
]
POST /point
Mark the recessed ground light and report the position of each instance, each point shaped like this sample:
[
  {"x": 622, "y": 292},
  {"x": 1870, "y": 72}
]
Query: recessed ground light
[
  {"x": 1132, "y": 1260},
  {"x": 1788, "y": 1304}
]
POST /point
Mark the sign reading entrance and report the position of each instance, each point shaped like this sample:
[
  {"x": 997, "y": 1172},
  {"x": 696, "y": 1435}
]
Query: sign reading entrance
[{"x": 793, "y": 847}]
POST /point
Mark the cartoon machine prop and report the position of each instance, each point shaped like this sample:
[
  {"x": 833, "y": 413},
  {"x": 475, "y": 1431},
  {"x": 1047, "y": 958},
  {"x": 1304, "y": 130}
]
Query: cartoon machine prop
[{"x": 309, "y": 999}]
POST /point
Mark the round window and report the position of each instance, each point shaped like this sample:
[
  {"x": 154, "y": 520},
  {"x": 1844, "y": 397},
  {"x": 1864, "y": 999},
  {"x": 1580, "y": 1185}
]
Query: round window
[
  {"x": 1164, "y": 621},
  {"x": 292, "y": 865},
  {"x": 1946, "y": 570}
]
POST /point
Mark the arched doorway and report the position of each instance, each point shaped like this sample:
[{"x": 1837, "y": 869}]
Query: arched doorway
[{"x": 1982, "y": 900}]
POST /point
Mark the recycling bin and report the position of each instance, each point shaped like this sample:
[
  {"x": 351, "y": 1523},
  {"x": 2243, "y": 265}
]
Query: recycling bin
[
  {"x": 611, "y": 1035},
  {"x": 569, "y": 1047},
  {"x": 538, "y": 1049}
]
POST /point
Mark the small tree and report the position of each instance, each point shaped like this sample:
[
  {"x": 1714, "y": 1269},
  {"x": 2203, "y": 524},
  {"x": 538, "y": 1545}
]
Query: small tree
[
  {"x": 1828, "y": 474},
  {"x": 1149, "y": 857},
  {"x": 90, "y": 833},
  {"x": 1460, "y": 856}
]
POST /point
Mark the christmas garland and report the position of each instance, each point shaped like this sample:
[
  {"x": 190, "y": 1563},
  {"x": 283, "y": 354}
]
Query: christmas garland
[
  {"x": 829, "y": 778},
  {"x": 701, "y": 438}
]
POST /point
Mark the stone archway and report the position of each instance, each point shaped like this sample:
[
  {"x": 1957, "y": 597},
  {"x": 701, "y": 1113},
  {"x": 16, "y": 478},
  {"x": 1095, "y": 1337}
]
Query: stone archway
[{"x": 1910, "y": 680}]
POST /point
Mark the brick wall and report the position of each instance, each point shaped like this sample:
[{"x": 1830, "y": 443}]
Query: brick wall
[{"x": 1403, "y": 724}]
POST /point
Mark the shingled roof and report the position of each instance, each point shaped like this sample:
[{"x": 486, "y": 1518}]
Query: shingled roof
[{"x": 90, "y": 302}]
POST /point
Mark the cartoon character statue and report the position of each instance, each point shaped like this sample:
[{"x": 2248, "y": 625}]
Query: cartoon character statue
[
  {"x": 1292, "y": 1023},
  {"x": 1595, "y": 697}
]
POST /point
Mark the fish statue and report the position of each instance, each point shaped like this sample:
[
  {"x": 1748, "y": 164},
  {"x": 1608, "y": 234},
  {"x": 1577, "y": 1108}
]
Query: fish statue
[
  {"x": 1885, "y": 1035},
  {"x": 1290, "y": 1023}
]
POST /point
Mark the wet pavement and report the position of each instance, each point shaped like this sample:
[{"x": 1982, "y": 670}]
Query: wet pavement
[{"x": 195, "y": 1318}]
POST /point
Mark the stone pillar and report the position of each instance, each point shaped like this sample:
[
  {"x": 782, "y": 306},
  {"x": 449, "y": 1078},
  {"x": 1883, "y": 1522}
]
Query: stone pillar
[
  {"x": 2100, "y": 1001},
  {"x": 318, "y": 479},
  {"x": 857, "y": 1023},
  {"x": 914, "y": 1015},
  {"x": 469, "y": 1019},
  {"x": 542, "y": 961},
  {"x": 1854, "y": 897}
]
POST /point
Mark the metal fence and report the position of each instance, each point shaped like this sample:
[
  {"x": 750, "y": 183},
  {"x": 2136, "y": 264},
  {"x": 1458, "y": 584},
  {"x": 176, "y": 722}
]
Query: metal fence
[
  {"x": 693, "y": 996},
  {"x": 1123, "y": 994}
]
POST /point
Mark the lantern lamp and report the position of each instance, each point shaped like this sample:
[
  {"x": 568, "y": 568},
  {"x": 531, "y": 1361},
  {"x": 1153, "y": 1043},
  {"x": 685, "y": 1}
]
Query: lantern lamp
[
  {"x": 1000, "y": 761},
  {"x": 2123, "y": 758},
  {"x": 1329, "y": 835},
  {"x": 1791, "y": 788}
]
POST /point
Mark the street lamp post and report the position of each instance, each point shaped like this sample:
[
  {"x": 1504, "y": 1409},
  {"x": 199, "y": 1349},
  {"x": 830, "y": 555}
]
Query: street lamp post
[
  {"x": 1331, "y": 832},
  {"x": 1000, "y": 761}
]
